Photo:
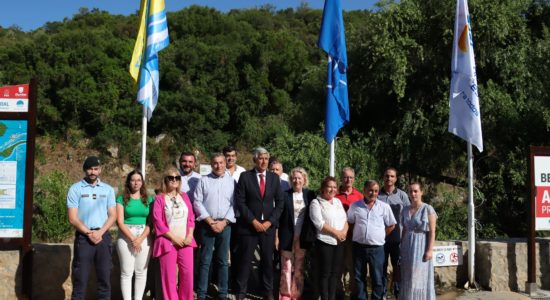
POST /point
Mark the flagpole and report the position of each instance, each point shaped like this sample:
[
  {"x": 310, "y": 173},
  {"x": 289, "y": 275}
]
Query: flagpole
[
  {"x": 332, "y": 158},
  {"x": 471, "y": 220},
  {"x": 143, "y": 140}
]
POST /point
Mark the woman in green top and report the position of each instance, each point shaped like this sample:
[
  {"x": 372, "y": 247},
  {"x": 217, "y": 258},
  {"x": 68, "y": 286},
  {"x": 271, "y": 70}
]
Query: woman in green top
[{"x": 133, "y": 239}]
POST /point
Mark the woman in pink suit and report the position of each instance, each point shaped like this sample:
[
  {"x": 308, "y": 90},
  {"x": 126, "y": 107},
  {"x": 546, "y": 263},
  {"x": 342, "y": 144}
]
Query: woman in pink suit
[{"x": 173, "y": 220}]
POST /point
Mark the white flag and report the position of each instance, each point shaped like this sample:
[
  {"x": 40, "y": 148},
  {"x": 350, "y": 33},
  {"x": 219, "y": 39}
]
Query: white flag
[{"x": 464, "y": 116}]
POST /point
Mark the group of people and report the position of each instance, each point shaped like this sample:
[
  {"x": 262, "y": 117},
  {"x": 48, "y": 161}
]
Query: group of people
[{"x": 199, "y": 225}]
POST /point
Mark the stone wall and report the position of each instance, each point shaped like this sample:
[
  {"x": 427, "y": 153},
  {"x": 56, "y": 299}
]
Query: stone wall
[{"x": 500, "y": 266}]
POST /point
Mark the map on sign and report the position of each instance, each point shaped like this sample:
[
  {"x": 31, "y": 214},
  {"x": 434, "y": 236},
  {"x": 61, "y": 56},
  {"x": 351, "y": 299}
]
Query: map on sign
[{"x": 13, "y": 154}]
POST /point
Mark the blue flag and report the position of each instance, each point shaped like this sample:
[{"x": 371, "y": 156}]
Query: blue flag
[
  {"x": 152, "y": 37},
  {"x": 332, "y": 40}
]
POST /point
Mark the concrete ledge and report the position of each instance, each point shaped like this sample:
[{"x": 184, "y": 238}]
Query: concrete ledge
[{"x": 501, "y": 265}]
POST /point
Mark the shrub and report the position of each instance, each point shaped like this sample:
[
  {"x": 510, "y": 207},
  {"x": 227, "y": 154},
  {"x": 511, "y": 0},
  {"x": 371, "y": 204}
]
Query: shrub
[
  {"x": 50, "y": 221},
  {"x": 310, "y": 151}
]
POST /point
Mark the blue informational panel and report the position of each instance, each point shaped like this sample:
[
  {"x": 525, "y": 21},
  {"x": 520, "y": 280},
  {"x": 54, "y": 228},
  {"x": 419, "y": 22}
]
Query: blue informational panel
[{"x": 13, "y": 154}]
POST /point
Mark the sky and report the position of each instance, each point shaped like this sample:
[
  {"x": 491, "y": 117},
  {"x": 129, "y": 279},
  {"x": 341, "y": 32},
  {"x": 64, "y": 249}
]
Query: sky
[{"x": 32, "y": 14}]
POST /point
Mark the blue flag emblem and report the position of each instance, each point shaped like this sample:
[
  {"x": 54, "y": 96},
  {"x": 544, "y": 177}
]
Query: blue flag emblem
[{"x": 333, "y": 41}]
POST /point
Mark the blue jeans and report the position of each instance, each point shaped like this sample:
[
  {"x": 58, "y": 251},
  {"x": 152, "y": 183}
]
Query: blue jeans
[
  {"x": 218, "y": 242},
  {"x": 391, "y": 252},
  {"x": 374, "y": 257}
]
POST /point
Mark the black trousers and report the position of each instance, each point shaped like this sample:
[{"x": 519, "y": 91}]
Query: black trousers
[
  {"x": 86, "y": 255},
  {"x": 329, "y": 266},
  {"x": 245, "y": 250}
]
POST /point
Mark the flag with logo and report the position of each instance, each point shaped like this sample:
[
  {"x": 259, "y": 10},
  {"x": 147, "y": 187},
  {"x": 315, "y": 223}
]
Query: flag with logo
[
  {"x": 464, "y": 116},
  {"x": 332, "y": 40},
  {"x": 152, "y": 37}
]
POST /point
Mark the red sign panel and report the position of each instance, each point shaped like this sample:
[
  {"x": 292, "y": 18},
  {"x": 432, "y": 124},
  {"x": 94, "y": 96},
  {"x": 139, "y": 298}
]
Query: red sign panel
[
  {"x": 14, "y": 98},
  {"x": 543, "y": 202}
]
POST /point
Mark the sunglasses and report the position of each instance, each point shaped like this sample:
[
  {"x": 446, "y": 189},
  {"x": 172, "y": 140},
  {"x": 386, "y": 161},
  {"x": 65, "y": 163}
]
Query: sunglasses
[{"x": 172, "y": 178}]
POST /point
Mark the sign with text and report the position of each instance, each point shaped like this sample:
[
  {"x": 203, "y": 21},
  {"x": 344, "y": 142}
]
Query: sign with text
[
  {"x": 541, "y": 170},
  {"x": 14, "y": 98},
  {"x": 444, "y": 256},
  {"x": 13, "y": 154}
]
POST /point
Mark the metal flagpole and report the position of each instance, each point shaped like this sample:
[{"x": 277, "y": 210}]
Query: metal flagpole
[
  {"x": 143, "y": 140},
  {"x": 471, "y": 220},
  {"x": 332, "y": 158}
]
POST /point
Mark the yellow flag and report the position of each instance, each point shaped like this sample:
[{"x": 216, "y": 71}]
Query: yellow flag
[{"x": 139, "y": 48}]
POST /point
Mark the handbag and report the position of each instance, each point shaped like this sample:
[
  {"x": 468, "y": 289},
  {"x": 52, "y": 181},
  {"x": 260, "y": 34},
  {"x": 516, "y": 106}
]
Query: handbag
[{"x": 308, "y": 235}]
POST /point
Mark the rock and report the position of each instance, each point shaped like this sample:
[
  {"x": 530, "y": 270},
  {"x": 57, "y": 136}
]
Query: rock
[
  {"x": 159, "y": 138},
  {"x": 127, "y": 169},
  {"x": 113, "y": 151}
]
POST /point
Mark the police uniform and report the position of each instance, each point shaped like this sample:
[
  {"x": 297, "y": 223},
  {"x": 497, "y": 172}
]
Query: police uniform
[{"x": 92, "y": 202}]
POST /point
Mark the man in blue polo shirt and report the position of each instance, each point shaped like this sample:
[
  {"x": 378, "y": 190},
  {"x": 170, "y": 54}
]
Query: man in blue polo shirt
[{"x": 91, "y": 210}]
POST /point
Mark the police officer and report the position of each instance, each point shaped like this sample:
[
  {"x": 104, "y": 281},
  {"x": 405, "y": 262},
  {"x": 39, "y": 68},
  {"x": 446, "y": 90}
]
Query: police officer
[{"x": 91, "y": 210}]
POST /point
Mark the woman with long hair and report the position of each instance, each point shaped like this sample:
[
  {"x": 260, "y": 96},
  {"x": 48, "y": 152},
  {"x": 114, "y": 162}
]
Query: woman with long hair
[
  {"x": 133, "y": 244},
  {"x": 174, "y": 223},
  {"x": 418, "y": 237}
]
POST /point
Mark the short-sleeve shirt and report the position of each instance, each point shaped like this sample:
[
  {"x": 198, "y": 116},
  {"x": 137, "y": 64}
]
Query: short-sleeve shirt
[
  {"x": 370, "y": 223},
  {"x": 397, "y": 200},
  {"x": 92, "y": 202},
  {"x": 348, "y": 199},
  {"x": 135, "y": 212}
]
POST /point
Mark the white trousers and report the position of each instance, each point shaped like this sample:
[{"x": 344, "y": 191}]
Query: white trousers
[{"x": 131, "y": 262}]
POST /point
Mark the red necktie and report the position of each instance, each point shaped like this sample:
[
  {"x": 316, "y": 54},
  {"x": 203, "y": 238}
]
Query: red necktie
[{"x": 262, "y": 185}]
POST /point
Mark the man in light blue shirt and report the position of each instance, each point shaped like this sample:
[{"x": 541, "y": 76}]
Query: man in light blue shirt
[
  {"x": 91, "y": 210},
  {"x": 372, "y": 221},
  {"x": 213, "y": 207}
]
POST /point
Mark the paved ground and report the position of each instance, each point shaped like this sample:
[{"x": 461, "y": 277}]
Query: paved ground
[{"x": 486, "y": 295}]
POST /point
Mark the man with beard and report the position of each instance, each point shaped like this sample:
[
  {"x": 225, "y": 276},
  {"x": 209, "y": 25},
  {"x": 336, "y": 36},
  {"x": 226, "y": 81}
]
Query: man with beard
[
  {"x": 397, "y": 199},
  {"x": 91, "y": 210},
  {"x": 189, "y": 178}
]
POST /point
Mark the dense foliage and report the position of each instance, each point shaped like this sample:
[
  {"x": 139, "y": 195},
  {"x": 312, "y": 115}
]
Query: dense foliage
[{"x": 252, "y": 77}]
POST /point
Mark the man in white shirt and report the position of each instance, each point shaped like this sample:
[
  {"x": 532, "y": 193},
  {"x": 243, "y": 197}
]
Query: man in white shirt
[
  {"x": 373, "y": 220},
  {"x": 234, "y": 170},
  {"x": 189, "y": 178},
  {"x": 277, "y": 167}
]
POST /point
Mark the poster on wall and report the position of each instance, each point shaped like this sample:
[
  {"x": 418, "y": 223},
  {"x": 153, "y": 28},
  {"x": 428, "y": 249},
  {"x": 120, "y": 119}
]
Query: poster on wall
[
  {"x": 542, "y": 192},
  {"x": 13, "y": 153}
]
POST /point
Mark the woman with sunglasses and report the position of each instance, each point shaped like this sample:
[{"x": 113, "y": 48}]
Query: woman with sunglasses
[
  {"x": 173, "y": 220},
  {"x": 133, "y": 244}
]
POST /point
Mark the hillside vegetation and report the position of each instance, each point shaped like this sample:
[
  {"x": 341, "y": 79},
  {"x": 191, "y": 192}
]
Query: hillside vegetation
[{"x": 256, "y": 77}]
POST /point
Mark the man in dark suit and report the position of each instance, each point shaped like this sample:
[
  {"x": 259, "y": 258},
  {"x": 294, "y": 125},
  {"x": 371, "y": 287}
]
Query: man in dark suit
[{"x": 259, "y": 202}]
